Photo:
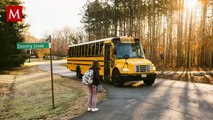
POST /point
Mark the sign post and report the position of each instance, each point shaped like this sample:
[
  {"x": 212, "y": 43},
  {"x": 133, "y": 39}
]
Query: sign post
[
  {"x": 51, "y": 69},
  {"x": 39, "y": 45}
]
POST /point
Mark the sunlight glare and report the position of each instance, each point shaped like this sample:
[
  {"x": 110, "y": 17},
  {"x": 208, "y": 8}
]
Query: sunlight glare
[{"x": 190, "y": 4}]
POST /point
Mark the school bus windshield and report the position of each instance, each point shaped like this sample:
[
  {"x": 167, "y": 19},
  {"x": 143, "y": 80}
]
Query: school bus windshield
[{"x": 133, "y": 50}]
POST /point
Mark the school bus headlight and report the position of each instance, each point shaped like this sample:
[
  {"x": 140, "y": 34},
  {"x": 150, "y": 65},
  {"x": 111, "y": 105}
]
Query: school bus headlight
[
  {"x": 125, "y": 69},
  {"x": 153, "y": 68}
]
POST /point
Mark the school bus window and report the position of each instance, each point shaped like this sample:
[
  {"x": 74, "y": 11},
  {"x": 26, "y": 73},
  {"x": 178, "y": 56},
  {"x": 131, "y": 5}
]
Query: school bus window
[
  {"x": 79, "y": 50},
  {"x": 93, "y": 49},
  {"x": 96, "y": 49},
  {"x": 88, "y": 50},
  {"x": 129, "y": 49},
  {"x": 85, "y": 50},
  {"x": 101, "y": 48},
  {"x": 82, "y": 50},
  {"x": 76, "y": 49},
  {"x": 71, "y": 52}
]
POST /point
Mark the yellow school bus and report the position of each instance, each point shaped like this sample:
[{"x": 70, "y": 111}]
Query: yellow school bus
[{"x": 121, "y": 58}]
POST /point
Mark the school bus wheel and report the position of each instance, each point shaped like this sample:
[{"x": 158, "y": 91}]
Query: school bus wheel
[
  {"x": 78, "y": 72},
  {"x": 149, "y": 81},
  {"x": 116, "y": 78}
]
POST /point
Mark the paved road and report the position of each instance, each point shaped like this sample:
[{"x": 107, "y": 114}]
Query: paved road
[{"x": 165, "y": 100}]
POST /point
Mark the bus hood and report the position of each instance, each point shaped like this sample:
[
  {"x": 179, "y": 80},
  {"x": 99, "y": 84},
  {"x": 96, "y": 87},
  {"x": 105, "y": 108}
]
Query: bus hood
[{"x": 131, "y": 63}]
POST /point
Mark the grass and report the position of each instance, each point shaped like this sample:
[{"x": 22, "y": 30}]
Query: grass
[
  {"x": 29, "y": 96},
  {"x": 35, "y": 101}
]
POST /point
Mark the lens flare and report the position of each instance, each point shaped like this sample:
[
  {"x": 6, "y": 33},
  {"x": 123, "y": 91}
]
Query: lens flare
[{"x": 190, "y": 4}]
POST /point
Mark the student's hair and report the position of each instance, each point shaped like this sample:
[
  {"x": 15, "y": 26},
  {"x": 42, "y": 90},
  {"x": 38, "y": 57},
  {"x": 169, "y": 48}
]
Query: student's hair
[{"x": 95, "y": 65}]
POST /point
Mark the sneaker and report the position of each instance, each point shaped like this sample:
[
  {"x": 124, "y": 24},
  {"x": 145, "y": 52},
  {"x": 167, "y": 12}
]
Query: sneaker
[
  {"x": 89, "y": 109},
  {"x": 94, "y": 109}
]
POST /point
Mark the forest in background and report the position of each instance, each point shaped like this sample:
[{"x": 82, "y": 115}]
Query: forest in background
[{"x": 174, "y": 33}]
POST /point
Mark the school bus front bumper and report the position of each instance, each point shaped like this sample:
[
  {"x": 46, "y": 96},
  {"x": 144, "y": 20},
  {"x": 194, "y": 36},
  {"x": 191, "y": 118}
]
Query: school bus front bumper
[{"x": 135, "y": 77}]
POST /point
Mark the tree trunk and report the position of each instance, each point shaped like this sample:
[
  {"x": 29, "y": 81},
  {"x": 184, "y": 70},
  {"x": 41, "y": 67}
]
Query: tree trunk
[
  {"x": 153, "y": 41},
  {"x": 202, "y": 34},
  {"x": 179, "y": 37}
]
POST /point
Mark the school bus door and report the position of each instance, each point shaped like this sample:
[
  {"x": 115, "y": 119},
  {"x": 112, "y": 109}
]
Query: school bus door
[{"x": 107, "y": 62}]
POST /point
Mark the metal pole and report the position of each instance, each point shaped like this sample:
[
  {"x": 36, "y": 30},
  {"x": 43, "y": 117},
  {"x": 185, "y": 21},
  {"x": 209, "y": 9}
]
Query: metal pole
[
  {"x": 51, "y": 69},
  {"x": 29, "y": 55}
]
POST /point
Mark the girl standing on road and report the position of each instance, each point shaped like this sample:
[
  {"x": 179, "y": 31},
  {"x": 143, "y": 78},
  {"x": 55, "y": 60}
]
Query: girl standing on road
[{"x": 92, "y": 88}]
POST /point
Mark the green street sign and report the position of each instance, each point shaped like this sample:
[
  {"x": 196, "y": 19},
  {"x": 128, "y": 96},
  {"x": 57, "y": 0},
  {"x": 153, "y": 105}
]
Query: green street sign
[{"x": 27, "y": 46}]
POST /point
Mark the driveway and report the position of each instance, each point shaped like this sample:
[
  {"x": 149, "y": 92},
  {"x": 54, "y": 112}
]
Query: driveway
[{"x": 164, "y": 100}]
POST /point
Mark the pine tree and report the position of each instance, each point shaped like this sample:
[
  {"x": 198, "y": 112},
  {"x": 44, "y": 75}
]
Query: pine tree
[{"x": 10, "y": 34}]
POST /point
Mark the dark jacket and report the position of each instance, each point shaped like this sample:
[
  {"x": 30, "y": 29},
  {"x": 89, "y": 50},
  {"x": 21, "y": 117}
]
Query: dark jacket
[{"x": 96, "y": 77}]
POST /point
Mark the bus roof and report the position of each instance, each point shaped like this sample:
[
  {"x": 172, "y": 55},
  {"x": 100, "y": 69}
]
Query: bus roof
[{"x": 101, "y": 40}]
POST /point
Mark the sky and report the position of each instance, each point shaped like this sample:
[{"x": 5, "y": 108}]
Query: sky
[{"x": 46, "y": 16}]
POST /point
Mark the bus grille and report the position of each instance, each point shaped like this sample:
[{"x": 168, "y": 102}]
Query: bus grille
[{"x": 143, "y": 68}]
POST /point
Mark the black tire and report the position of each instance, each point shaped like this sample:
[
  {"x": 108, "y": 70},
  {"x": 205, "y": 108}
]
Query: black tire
[
  {"x": 116, "y": 78},
  {"x": 78, "y": 72},
  {"x": 149, "y": 81}
]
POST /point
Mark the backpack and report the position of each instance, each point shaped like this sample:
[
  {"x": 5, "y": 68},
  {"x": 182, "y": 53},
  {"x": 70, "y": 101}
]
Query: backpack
[{"x": 87, "y": 78}]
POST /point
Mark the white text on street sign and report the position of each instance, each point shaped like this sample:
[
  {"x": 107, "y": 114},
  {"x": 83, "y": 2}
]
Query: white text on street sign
[{"x": 38, "y": 45}]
